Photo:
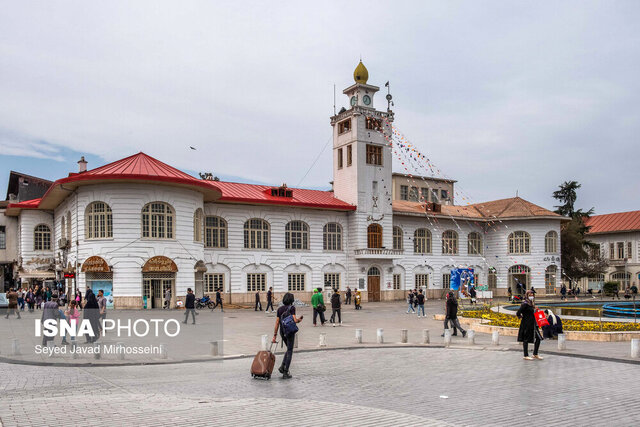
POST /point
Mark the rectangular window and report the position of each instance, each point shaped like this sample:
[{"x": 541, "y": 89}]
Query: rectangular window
[
  {"x": 493, "y": 279},
  {"x": 213, "y": 282},
  {"x": 3, "y": 237},
  {"x": 397, "y": 279},
  {"x": 296, "y": 281},
  {"x": 349, "y": 155},
  {"x": 424, "y": 194},
  {"x": 628, "y": 254},
  {"x": 256, "y": 282},
  {"x": 446, "y": 280},
  {"x": 344, "y": 126},
  {"x": 413, "y": 194},
  {"x": 620, "y": 252},
  {"x": 374, "y": 124},
  {"x": 422, "y": 281},
  {"x": 444, "y": 194},
  {"x": 339, "y": 158},
  {"x": 374, "y": 155},
  {"x": 332, "y": 280},
  {"x": 612, "y": 251},
  {"x": 434, "y": 196},
  {"x": 404, "y": 192}
]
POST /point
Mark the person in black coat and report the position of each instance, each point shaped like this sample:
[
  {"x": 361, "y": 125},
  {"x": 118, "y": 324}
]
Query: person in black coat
[
  {"x": 528, "y": 331},
  {"x": 451, "y": 315},
  {"x": 190, "y": 305},
  {"x": 555, "y": 325},
  {"x": 92, "y": 313},
  {"x": 335, "y": 307}
]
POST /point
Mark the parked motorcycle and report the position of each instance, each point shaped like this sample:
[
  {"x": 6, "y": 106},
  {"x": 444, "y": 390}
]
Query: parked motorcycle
[{"x": 204, "y": 302}]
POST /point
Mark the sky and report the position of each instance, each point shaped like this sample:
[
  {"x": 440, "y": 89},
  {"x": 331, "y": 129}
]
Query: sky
[{"x": 505, "y": 97}]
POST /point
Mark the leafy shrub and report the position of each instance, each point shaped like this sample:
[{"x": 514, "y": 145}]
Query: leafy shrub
[{"x": 609, "y": 288}]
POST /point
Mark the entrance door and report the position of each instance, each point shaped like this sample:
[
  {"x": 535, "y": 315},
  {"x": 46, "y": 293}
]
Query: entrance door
[
  {"x": 373, "y": 284},
  {"x": 519, "y": 274},
  {"x": 154, "y": 290}
]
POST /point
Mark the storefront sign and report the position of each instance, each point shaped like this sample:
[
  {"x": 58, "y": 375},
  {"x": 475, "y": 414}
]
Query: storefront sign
[
  {"x": 160, "y": 264},
  {"x": 69, "y": 275},
  {"x": 95, "y": 264}
]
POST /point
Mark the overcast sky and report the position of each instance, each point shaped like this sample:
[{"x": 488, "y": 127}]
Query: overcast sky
[{"x": 502, "y": 96}]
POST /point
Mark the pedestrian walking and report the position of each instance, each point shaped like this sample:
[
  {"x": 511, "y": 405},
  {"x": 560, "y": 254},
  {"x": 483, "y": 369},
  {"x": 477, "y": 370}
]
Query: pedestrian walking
[
  {"x": 20, "y": 293},
  {"x": 269, "y": 299},
  {"x": 318, "y": 306},
  {"x": 451, "y": 315},
  {"x": 92, "y": 314},
  {"x": 410, "y": 302},
  {"x": 50, "y": 310},
  {"x": 347, "y": 296},
  {"x": 167, "y": 299},
  {"x": 473, "y": 294},
  {"x": 218, "y": 301},
  {"x": 285, "y": 315},
  {"x": 72, "y": 314},
  {"x": 528, "y": 331},
  {"x": 30, "y": 299},
  {"x": 190, "y": 306},
  {"x": 358, "y": 300},
  {"x": 258, "y": 303},
  {"x": 79, "y": 298},
  {"x": 420, "y": 300},
  {"x": 102, "y": 307},
  {"x": 415, "y": 298},
  {"x": 38, "y": 297},
  {"x": 335, "y": 308},
  {"x": 563, "y": 292},
  {"x": 12, "y": 308},
  {"x": 509, "y": 294}
]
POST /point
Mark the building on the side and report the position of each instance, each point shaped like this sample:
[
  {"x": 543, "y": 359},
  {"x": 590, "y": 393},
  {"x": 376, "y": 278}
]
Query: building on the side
[
  {"x": 138, "y": 226},
  {"x": 618, "y": 235}
]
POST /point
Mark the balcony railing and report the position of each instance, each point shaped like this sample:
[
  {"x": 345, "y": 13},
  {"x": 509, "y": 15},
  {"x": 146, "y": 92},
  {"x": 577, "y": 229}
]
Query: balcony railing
[{"x": 378, "y": 252}]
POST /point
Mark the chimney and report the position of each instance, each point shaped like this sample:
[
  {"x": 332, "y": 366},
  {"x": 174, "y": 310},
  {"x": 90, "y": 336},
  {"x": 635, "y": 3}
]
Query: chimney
[{"x": 82, "y": 165}]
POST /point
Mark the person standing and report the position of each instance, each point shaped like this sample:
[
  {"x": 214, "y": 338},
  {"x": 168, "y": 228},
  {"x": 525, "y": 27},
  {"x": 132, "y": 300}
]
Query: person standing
[
  {"x": 318, "y": 304},
  {"x": 289, "y": 339},
  {"x": 415, "y": 298},
  {"x": 258, "y": 303},
  {"x": 79, "y": 298},
  {"x": 102, "y": 306},
  {"x": 38, "y": 297},
  {"x": 31, "y": 299},
  {"x": 410, "y": 302},
  {"x": 347, "y": 296},
  {"x": 190, "y": 305},
  {"x": 528, "y": 331},
  {"x": 50, "y": 310},
  {"x": 451, "y": 315},
  {"x": 357, "y": 300},
  {"x": 335, "y": 308},
  {"x": 167, "y": 299},
  {"x": 563, "y": 292},
  {"x": 269, "y": 299},
  {"x": 92, "y": 313},
  {"x": 420, "y": 301},
  {"x": 21, "y": 299},
  {"x": 12, "y": 296},
  {"x": 473, "y": 294}
]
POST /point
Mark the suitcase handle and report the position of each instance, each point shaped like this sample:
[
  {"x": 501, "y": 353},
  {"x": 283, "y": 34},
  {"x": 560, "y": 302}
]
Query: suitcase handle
[{"x": 272, "y": 345}]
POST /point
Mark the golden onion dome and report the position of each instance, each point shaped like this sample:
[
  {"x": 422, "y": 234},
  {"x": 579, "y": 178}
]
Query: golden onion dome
[{"x": 361, "y": 75}]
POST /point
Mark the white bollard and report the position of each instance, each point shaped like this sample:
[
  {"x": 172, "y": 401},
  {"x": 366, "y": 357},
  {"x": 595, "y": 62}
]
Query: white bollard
[
  {"x": 562, "y": 342},
  {"x": 471, "y": 337},
  {"x": 265, "y": 342},
  {"x": 447, "y": 337},
  {"x": 120, "y": 350},
  {"x": 215, "y": 349},
  {"x": 163, "y": 351},
  {"x": 404, "y": 336},
  {"x": 380, "y": 336},
  {"x": 495, "y": 338},
  {"x": 15, "y": 347},
  {"x": 425, "y": 336},
  {"x": 359, "y": 336},
  {"x": 635, "y": 348},
  {"x": 323, "y": 340}
]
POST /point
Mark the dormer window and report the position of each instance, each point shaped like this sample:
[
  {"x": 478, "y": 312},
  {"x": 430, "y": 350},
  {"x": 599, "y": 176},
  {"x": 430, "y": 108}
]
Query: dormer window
[
  {"x": 344, "y": 126},
  {"x": 282, "y": 191}
]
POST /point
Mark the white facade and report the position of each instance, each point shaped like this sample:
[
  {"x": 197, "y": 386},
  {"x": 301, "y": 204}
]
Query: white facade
[{"x": 621, "y": 250}]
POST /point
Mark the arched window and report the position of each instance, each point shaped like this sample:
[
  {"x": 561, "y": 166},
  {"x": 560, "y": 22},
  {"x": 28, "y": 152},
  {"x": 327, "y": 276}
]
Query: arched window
[
  {"x": 373, "y": 271},
  {"x": 623, "y": 279},
  {"x": 474, "y": 244},
  {"x": 296, "y": 235},
  {"x": 197, "y": 225},
  {"x": 69, "y": 227},
  {"x": 397, "y": 238},
  {"x": 374, "y": 236},
  {"x": 519, "y": 242},
  {"x": 98, "y": 221},
  {"x": 450, "y": 242},
  {"x": 550, "y": 279},
  {"x": 422, "y": 241},
  {"x": 332, "y": 237},
  {"x": 256, "y": 234},
  {"x": 215, "y": 232},
  {"x": 551, "y": 242},
  {"x": 158, "y": 221},
  {"x": 42, "y": 238}
]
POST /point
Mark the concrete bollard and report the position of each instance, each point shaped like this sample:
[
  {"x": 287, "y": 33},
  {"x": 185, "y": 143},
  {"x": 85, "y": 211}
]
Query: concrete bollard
[
  {"x": 380, "y": 336},
  {"x": 495, "y": 338},
  {"x": 97, "y": 354},
  {"x": 471, "y": 337},
  {"x": 635, "y": 348},
  {"x": 425, "y": 336},
  {"x": 562, "y": 342},
  {"x": 265, "y": 342},
  {"x": 323, "y": 340},
  {"x": 215, "y": 350},
  {"x": 120, "y": 350},
  {"x": 359, "y": 336},
  {"x": 15, "y": 347},
  {"x": 404, "y": 336},
  {"x": 163, "y": 351},
  {"x": 447, "y": 337}
]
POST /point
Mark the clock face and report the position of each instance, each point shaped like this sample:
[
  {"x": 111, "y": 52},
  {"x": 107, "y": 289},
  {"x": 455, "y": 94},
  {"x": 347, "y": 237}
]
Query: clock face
[
  {"x": 366, "y": 99},
  {"x": 353, "y": 101}
]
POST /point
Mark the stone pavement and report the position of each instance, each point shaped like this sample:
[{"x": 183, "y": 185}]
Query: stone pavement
[{"x": 363, "y": 387}]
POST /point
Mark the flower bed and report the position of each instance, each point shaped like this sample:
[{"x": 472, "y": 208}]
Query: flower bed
[{"x": 511, "y": 321}]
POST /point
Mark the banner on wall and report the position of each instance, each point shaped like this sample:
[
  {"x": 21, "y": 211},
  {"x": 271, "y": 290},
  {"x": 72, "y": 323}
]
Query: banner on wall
[
  {"x": 461, "y": 277},
  {"x": 107, "y": 288}
]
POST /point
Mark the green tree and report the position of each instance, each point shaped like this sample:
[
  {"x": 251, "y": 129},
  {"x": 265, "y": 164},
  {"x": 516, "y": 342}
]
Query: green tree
[{"x": 567, "y": 195}]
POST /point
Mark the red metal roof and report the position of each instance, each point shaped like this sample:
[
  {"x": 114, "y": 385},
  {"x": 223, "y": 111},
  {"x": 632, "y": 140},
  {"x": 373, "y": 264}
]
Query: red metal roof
[
  {"x": 14, "y": 208},
  {"x": 615, "y": 222},
  {"x": 261, "y": 194}
]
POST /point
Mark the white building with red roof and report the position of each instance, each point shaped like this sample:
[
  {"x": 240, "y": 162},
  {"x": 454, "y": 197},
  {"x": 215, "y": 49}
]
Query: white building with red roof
[{"x": 138, "y": 227}]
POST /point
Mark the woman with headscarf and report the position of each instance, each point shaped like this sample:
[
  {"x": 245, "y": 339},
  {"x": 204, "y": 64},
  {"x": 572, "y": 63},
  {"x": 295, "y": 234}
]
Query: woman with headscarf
[
  {"x": 92, "y": 314},
  {"x": 554, "y": 327},
  {"x": 528, "y": 331}
]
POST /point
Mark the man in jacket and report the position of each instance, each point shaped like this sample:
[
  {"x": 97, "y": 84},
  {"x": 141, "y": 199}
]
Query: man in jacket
[
  {"x": 347, "y": 299},
  {"x": 190, "y": 306},
  {"x": 218, "y": 301},
  {"x": 269, "y": 299},
  {"x": 50, "y": 310},
  {"x": 12, "y": 296},
  {"x": 420, "y": 299},
  {"x": 335, "y": 308},
  {"x": 318, "y": 306},
  {"x": 451, "y": 315}
]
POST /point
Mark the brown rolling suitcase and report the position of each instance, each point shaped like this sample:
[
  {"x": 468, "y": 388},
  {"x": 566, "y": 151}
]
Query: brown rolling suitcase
[{"x": 263, "y": 363}]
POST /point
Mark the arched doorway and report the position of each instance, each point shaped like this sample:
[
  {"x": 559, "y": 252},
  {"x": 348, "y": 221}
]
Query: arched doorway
[
  {"x": 374, "y": 236},
  {"x": 519, "y": 274},
  {"x": 373, "y": 284},
  {"x": 158, "y": 277}
]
